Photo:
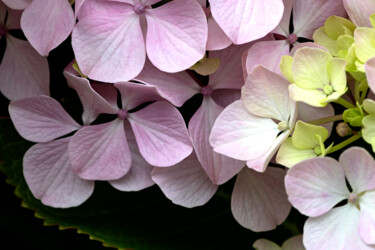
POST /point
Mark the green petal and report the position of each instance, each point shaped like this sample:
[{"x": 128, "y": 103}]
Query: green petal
[
  {"x": 368, "y": 131},
  {"x": 286, "y": 67},
  {"x": 369, "y": 106},
  {"x": 337, "y": 74},
  {"x": 344, "y": 42},
  {"x": 364, "y": 43},
  {"x": 288, "y": 155},
  {"x": 372, "y": 20},
  {"x": 312, "y": 97},
  {"x": 306, "y": 135},
  {"x": 309, "y": 68},
  {"x": 321, "y": 38},
  {"x": 336, "y": 26}
]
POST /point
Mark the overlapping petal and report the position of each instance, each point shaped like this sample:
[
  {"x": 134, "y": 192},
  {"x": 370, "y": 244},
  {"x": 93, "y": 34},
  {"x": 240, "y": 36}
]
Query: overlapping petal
[
  {"x": 50, "y": 176},
  {"x": 17, "y": 4},
  {"x": 176, "y": 35},
  {"x": 185, "y": 183},
  {"x": 161, "y": 134},
  {"x": 41, "y": 118},
  {"x": 359, "y": 12},
  {"x": 367, "y": 218},
  {"x": 370, "y": 73},
  {"x": 217, "y": 39},
  {"x": 259, "y": 201},
  {"x": 244, "y": 21}
]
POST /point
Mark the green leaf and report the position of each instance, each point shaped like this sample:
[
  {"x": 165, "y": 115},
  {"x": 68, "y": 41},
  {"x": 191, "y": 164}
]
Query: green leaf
[{"x": 139, "y": 220}]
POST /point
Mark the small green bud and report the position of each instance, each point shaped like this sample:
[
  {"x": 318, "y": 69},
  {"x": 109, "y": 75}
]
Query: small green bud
[{"x": 353, "y": 117}]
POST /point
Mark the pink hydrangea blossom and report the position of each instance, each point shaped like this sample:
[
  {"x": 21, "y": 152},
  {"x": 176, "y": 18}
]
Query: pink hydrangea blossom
[{"x": 316, "y": 185}]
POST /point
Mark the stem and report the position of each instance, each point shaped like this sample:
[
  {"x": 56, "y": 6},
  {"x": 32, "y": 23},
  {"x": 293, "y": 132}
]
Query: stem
[
  {"x": 345, "y": 143},
  {"x": 326, "y": 120},
  {"x": 363, "y": 96},
  {"x": 344, "y": 103},
  {"x": 356, "y": 91}
]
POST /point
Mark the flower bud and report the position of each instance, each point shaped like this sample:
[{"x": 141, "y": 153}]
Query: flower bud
[{"x": 343, "y": 129}]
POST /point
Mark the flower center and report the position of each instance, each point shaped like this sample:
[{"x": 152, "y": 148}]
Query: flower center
[
  {"x": 140, "y": 8},
  {"x": 318, "y": 150},
  {"x": 328, "y": 89},
  {"x": 122, "y": 114},
  {"x": 3, "y": 30},
  {"x": 206, "y": 90},
  {"x": 282, "y": 126},
  {"x": 353, "y": 198},
  {"x": 207, "y": 11},
  {"x": 292, "y": 38}
]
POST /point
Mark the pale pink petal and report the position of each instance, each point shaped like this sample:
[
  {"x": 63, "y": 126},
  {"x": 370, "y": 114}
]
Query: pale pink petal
[
  {"x": 294, "y": 243},
  {"x": 359, "y": 168},
  {"x": 229, "y": 75},
  {"x": 134, "y": 94},
  {"x": 260, "y": 164},
  {"x": 134, "y": 2},
  {"x": 367, "y": 217},
  {"x": 306, "y": 45},
  {"x": 185, "y": 183},
  {"x": 139, "y": 175},
  {"x": 360, "y": 11},
  {"x": 161, "y": 134},
  {"x": 93, "y": 103},
  {"x": 315, "y": 185},
  {"x": 370, "y": 73},
  {"x": 41, "y": 118},
  {"x": 337, "y": 229},
  {"x": 47, "y": 24},
  {"x": 175, "y": 87},
  {"x": 176, "y": 35},
  {"x": 219, "y": 168},
  {"x": 216, "y": 39},
  {"x": 107, "y": 91},
  {"x": 241, "y": 135},
  {"x": 266, "y": 94},
  {"x": 267, "y": 53},
  {"x": 109, "y": 47},
  {"x": 259, "y": 201},
  {"x": 17, "y": 4},
  {"x": 224, "y": 97},
  {"x": 100, "y": 152},
  {"x": 77, "y": 7},
  {"x": 283, "y": 27},
  {"x": 308, "y": 16},
  {"x": 309, "y": 113},
  {"x": 23, "y": 72},
  {"x": 244, "y": 21},
  {"x": 102, "y": 7},
  {"x": 50, "y": 176}
]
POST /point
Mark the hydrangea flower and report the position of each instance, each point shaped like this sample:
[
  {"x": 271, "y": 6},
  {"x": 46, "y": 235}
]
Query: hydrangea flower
[
  {"x": 23, "y": 72},
  {"x": 46, "y": 24},
  {"x": 110, "y": 40},
  {"x": 315, "y": 186}
]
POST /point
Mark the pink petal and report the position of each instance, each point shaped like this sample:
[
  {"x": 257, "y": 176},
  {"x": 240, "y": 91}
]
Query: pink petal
[
  {"x": 3, "y": 12},
  {"x": 359, "y": 168},
  {"x": 109, "y": 47},
  {"x": 93, "y": 103},
  {"x": 17, "y": 4},
  {"x": 47, "y": 24},
  {"x": 77, "y": 7},
  {"x": 370, "y": 73},
  {"x": 13, "y": 20},
  {"x": 216, "y": 39},
  {"x": 337, "y": 229},
  {"x": 244, "y": 21},
  {"x": 309, "y": 113},
  {"x": 107, "y": 91},
  {"x": 134, "y": 94},
  {"x": 308, "y": 16},
  {"x": 185, "y": 183},
  {"x": 224, "y": 97},
  {"x": 359, "y": 12},
  {"x": 215, "y": 165},
  {"x": 41, "y": 118},
  {"x": 367, "y": 217},
  {"x": 176, "y": 35},
  {"x": 266, "y": 94},
  {"x": 139, "y": 175},
  {"x": 100, "y": 152},
  {"x": 161, "y": 134},
  {"x": 23, "y": 71},
  {"x": 229, "y": 75},
  {"x": 241, "y": 135},
  {"x": 283, "y": 27},
  {"x": 175, "y": 87},
  {"x": 50, "y": 176},
  {"x": 315, "y": 185},
  {"x": 267, "y": 53},
  {"x": 259, "y": 201}
]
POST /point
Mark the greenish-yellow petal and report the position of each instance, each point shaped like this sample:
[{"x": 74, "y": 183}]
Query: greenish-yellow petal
[
  {"x": 368, "y": 131},
  {"x": 312, "y": 97},
  {"x": 286, "y": 67},
  {"x": 288, "y": 155},
  {"x": 364, "y": 43},
  {"x": 321, "y": 38},
  {"x": 305, "y": 135},
  {"x": 337, "y": 74},
  {"x": 336, "y": 26}
]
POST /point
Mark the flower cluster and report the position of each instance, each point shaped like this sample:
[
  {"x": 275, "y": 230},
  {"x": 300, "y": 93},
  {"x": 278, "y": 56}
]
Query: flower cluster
[{"x": 268, "y": 104}]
